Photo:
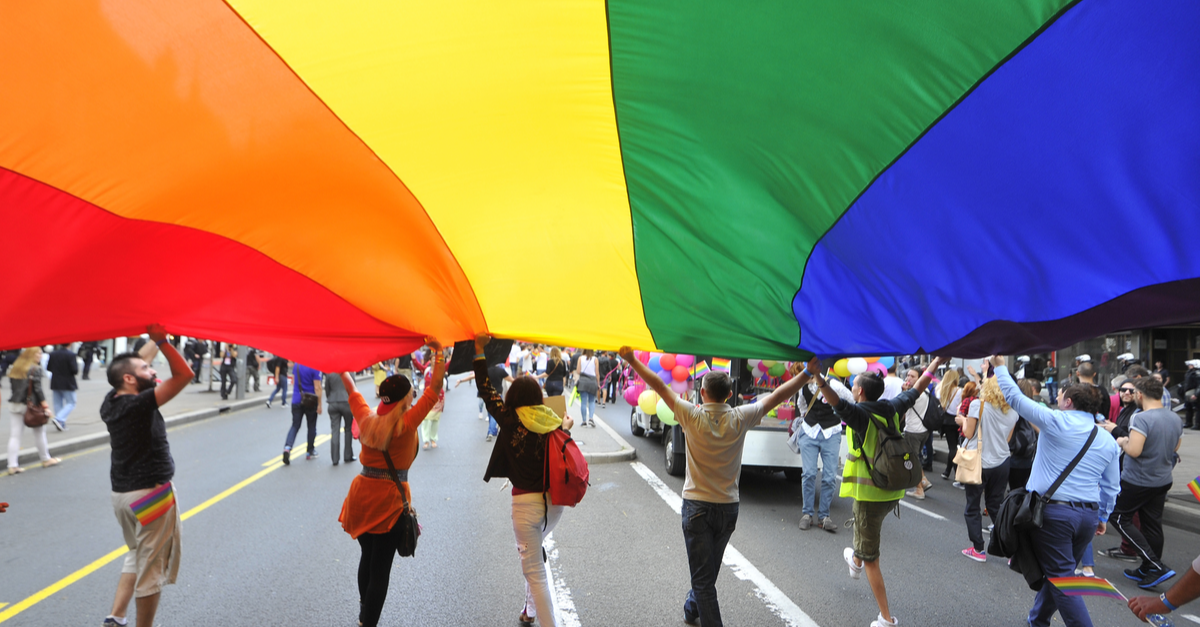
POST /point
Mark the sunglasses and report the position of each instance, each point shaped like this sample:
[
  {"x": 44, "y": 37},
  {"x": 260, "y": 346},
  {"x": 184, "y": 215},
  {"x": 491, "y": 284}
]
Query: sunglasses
[{"x": 1127, "y": 390}]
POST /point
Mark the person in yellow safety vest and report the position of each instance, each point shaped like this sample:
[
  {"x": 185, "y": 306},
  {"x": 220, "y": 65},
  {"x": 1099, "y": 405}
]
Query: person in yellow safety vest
[{"x": 871, "y": 503}]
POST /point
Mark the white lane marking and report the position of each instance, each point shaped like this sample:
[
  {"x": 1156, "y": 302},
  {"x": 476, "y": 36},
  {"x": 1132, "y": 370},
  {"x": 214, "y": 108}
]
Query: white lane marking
[
  {"x": 922, "y": 510},
  {"x": 776, "y": 601},
  {"x": 1192, "y": 617},
  {"x": 564, "y": 605}
]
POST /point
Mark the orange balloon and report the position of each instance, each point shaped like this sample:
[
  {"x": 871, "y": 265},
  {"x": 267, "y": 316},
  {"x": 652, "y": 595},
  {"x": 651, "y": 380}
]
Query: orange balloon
[{"x": 871, "y": 360}]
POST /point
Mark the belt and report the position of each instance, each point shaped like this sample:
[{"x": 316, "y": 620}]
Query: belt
[
  {"x": 1079, "y": 504},
  {"x": 382, "y": 473}
]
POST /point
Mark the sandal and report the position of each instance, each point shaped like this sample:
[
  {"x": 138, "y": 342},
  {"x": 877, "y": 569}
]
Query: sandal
[
  {"x": 433, "y": 444},
  {"x": 53, "y": 461},
  {"x": 16, "y": 470},
  {"x": 525, "y": 619}
]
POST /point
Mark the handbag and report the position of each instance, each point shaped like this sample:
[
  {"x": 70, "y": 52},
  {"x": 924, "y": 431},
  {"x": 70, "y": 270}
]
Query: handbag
[
  {"x": 406, "y": 530},
  {"x": 308, "y": 401},
  {"x": 1030, "y": 512},
  {"x": 35, "y": 414},
  {"x": 970, "y": 463},
  {"x": 796, "y": 429}
]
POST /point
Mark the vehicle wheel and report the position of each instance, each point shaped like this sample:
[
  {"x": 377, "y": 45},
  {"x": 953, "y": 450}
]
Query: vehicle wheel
[
  {"x": 634, "y": 427},
  {"x": 795, "y": 475},
  {"x": 675, "y": 461}
]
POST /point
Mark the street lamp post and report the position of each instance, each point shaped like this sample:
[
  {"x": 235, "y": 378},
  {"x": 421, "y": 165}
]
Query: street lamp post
[{"x": 241, "y": 373}]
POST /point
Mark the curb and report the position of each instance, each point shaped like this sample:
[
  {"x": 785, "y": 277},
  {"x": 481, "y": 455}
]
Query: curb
[
  {"x": 627, "y": 452},
  {"x": 1182, "y": 517},
  {"x": 30, "y": 455}
]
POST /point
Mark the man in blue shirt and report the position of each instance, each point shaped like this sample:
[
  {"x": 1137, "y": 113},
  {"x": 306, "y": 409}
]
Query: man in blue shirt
[
  {"x": 1080, "y": 507},
  {"x": 306, "y": 403}
]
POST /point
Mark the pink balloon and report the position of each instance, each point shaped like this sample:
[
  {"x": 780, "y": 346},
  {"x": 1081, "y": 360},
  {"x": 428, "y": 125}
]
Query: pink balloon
[
  {"x": 762, "y": 367},
  {"x": 667, "y": 362},
  {"x": 679, "y": 373},
  {"x": 644, "y": 357},
  {"x": 679, "y": 387},
  {"x": 877, "y": 368},
  {"x": 631, "y": 395},
  {"x": 640, "y": 386},
  {"x": 787, "y": 375},
  {"x": 684, "y": 360}
]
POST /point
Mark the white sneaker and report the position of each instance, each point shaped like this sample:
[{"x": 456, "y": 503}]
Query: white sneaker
[
  {"x": 880, "y": 622},
  {"x": 855, "y": 570}
]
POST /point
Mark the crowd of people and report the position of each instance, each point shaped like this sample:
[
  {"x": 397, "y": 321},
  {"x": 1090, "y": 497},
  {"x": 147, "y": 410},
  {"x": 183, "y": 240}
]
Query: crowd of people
[{"x": 1093, "y": 458}]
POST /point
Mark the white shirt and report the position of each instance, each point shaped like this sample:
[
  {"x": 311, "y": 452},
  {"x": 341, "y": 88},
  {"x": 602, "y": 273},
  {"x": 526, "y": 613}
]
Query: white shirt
[
  {"x": 541, "y": 361},
  {"x": 587, "y": 366},
  {"x": 912, "y": 418},
  {"x": 892, "y": 387},
  {"x": 812, "y": 430}
]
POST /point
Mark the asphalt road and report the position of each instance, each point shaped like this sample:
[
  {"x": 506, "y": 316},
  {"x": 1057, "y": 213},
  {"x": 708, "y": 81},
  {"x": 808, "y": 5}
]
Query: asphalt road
[{"x": 273, "y": 553}]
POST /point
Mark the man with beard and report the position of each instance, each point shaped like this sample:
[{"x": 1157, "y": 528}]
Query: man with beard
[{"x": 143, "y": 495}]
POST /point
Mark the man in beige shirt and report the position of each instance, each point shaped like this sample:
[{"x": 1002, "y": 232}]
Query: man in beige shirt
[{"x": 715, "y": 434}]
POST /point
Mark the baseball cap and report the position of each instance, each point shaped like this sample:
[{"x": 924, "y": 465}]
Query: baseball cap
[
  {"x": 1084, "y": 358},
  {"x": 392, "y": 391}
]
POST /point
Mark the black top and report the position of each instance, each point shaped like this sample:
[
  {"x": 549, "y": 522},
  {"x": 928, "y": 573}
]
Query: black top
[
  {"x": 857, "y": 415},
  {"x": 252, "y": 359},
  {"x": 1122, "y": 421},
  {"x": 404, "y": 361},
  {"x": 821, "y": 413},
  {"x": 604, "y": 366},
  {"x": 63, "y": 367},
  {"x": 141, "y": 457},
  {"x": 496, "y": 376},
  {"x": 556, "y": 372},
  {"x": 519, "y": 454},
  {"x": 278, "y": 362}
]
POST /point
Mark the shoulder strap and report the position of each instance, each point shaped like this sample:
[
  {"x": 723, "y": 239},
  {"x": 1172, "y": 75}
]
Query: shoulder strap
[
  {"x": 395, "y": 478},
  {"x": 1071, "y": 466}
]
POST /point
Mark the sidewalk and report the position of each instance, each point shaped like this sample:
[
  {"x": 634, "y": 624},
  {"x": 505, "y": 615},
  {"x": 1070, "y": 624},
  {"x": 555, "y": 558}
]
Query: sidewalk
[
  {"x": 601, "y": 445},
  {"x": 85, "y": 429},
  {"x": 1182, "y": 510}
]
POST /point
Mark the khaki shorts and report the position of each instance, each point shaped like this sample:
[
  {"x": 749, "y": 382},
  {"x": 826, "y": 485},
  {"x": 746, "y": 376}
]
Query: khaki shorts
[
  {"x": 868, "y": 524},
  {"x": 153, "y": 549}
]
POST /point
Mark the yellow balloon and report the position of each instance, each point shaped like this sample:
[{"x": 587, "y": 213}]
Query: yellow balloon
[
  {"x": 648, "y": 401},
  {"x": 768, "y": 363},
  {"x": 841, "y": 368}
]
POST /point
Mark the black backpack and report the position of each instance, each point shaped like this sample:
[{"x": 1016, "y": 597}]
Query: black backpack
[
  {"x": 933, "y": 413},
  {"x": 896, "y": 464},
  {"x": 1023, "y": 444}
]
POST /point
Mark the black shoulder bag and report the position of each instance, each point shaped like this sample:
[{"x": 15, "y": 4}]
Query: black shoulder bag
[
  {"x": 406, "y": 530},
  {"x": 1029, "y": 514}
]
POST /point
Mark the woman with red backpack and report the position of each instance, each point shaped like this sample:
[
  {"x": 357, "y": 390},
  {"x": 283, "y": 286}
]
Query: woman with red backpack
[{"x": 520, "y": 456}]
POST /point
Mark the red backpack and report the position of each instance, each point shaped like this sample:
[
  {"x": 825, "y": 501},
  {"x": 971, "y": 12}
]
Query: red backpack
[{"x": 566, "y": 469}]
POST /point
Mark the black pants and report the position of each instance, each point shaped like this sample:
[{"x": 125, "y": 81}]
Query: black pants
[
  {"x": 995, "y": 483},
  {"x": 949, "y": 431},
  {"x": 1148, "y": 502},
  {"x": 1191, "y": 417},
  {"x": 197, "y": 366},
  {"x": 1018, "y": 477},
  {"x": 927, "y": 452},
  {"x": 227, "y": 372},
  {"x": 87, "y": 367},
  {"x": 611, "y": 385},
  {"x": 374, "y": 571}
]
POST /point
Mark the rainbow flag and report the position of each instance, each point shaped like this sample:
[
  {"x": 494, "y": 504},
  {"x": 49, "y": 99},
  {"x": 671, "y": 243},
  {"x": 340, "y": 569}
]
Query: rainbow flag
[
  {"x": 699, "y": 369},
  {"x": 1086, "y": 586},
  {"x": 151, "y": 507},
  {"x": 721, "y": 365},
  {"x": 1194, "y": 486}
]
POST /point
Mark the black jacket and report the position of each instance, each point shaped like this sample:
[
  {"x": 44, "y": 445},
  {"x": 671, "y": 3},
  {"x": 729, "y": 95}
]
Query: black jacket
[
  {"x": 63, "y": 367},
  {"x": 519, "y": 454}
]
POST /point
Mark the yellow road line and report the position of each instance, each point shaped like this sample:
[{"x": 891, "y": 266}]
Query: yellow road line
[
  {"x": 46, "y": 592},
  {"x": 278, "y": 459}
]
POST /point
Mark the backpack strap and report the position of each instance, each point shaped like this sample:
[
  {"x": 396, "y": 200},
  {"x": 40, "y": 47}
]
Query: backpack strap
[{"x": 1071, "y": 466}]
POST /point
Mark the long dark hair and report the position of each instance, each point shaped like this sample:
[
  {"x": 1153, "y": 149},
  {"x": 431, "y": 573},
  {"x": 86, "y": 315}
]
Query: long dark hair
[{"x": 523, "y": 392}]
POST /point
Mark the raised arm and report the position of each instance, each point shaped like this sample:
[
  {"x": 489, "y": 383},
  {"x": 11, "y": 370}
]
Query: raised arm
[
  {"x": 662, "y": 389},
  {"x": 181, "y": 373},
  {"x": 491, "y": 397},
  {"x": 1034, "y": 412},
  {"x": 420, "y": 409},
  {"x": 789, "y": 389}
]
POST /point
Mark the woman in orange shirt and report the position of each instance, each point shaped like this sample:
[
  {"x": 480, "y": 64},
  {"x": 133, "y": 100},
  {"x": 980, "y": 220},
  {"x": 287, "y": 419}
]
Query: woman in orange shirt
[{"x": 373, "y": 504}]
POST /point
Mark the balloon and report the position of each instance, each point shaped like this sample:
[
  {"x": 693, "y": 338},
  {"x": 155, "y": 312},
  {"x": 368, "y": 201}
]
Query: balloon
[
  {"x": 768, "y": 363},
  {"x": 776, "y": 370},
  {"x": 787, "y": 376},
  {"x": 684, "y": 360},
  {"x": 840, "y": 368},
  {"x": 752, "y": 364},
  {"x": 679, "y": 387},
  {"x": 888, "y": 362},
  {"x": 680, "y": 373},
  {"x": 644, "y": 357},
  {"x": 655, "y": 362},
  {"x": 640, "y": 386},
  {"x": 871, "y": 360},
  {"x": 666, "y": 375},
  {"x": 877, "y": 368},
  {"x": 648, "y": 401},
  {"x": 665, "y": 415},
  {"x": 667, "y": 362},
  {"x": 856, "y": 365},
  {"x": 631, "y": 395}
]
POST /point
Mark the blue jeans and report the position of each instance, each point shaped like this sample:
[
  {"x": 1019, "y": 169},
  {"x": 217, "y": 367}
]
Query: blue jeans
[
  {"x": 298, "y": 414},
  {"x": 280, "y": 386},
  {"x": 587, "y": 406},
  {"x": 64, "y": 402},
  {"x": 706, "y": 531},
  {"x": 827, "y": 450},
  {"x": 493, "y": 428},
  {"x": 1059, "y": 545},
  {"x": 1052, "y": 390}
]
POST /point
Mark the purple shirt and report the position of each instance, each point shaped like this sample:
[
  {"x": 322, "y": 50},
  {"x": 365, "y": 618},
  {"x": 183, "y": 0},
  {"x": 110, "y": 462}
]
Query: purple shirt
[{"x": 306, "y": 381}]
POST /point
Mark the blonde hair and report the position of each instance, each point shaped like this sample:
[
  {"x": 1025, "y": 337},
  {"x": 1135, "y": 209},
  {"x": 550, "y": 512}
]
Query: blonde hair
[
  {"x": 947, "y": 388},
  {"x": 28, "y": 358},
  {"x": 377, "y": 431},
  {"x": 993, "y": 396},
  {"x": 556, "y": 355}
]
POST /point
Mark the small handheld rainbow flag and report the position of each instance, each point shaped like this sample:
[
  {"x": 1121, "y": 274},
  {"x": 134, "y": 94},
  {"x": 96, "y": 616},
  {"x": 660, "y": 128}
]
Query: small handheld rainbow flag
[
  {"x": 721, "y": 365},
  {"x": 699, "y": 369},
  {"x": 1086, "y": 586},
  {"x": 1194, "y": 486},
  {"x": 151, "y": 507}
]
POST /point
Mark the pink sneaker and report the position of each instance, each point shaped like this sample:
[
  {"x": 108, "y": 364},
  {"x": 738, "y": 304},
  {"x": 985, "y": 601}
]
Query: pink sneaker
[{"x": 975, "y": 555}]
